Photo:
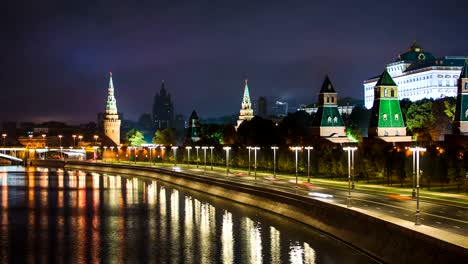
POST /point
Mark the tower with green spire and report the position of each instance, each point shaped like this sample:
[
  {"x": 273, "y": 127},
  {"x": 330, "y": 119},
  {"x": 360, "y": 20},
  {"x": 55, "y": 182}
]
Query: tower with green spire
[
  {"x": 327, "y": 121},
  {"x": 246, "y": 111},
  {"x": 386, "y": 118},
  {"x": 111, "y": 119},
  {"x": 460, "y": 125}
]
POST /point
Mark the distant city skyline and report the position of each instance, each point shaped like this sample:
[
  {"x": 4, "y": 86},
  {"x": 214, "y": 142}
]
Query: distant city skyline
[{"x": 58, "y": 55}]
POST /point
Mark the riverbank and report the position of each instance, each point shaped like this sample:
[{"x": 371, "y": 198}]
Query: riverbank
[{"x": 387, "y": 238}]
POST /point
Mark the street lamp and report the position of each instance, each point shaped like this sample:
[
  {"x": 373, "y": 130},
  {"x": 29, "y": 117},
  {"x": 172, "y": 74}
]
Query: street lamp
[
  {"x": 80, "y": 137},
  {"x": 74, "y": 140},
  {"x": 188, "y": 155},
  {"x": 174, "y": 149},
  {"x": 227, "y": 159},
  {"x": 95, "y": 139},
  {"x": 296, "y": 150},
  {"x": 112, "y": 153},
  {"x": 104, "y": 153},
  {"x": 349, "y": 149},
  {"x": 163, "y": 148},
  {"x": 249, "y": 148},
  {"x": 44, "y": 139},
  {"x": 60, "y": 145},
  {"x": 197, "y": 147},
  {"x": 30, "y": 138},
  {"x": 255, "y": 157},
  {"x": 274, "y": 160},
  {"x": 417, "y": 150},
  {"x": 211, "y": 157},
  {"x": 308, "y": 162},
  {"x": 4, "y": 142},
  {"x": 204, "y": 154},
  {"x": 413, "y": 193}
]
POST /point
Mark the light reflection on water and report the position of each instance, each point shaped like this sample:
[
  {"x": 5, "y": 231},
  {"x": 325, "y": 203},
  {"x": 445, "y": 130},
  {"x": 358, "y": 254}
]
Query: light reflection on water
[{"x": 56, "y": 216}]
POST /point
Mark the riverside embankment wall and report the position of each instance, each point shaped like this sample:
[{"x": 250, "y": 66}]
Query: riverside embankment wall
[{"x": 389, "y": 239}]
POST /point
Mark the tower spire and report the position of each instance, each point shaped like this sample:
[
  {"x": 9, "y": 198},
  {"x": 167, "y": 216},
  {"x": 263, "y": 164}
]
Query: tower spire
[
  {"x": 246, "y": 112},
  {"x": 111, "y": 119}
]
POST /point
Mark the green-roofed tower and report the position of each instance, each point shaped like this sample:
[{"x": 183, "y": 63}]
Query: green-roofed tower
[
  {"x": 460, "y": 125},
  {"x": 246, "y": 111},
  {"x": 386, "y": 119},
  {"x": 111, "y": 119},
  {"x": 327, "y": 121}
]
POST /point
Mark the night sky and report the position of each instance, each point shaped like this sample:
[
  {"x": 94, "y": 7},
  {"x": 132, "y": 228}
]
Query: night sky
[{"x": 57, "y": 54}]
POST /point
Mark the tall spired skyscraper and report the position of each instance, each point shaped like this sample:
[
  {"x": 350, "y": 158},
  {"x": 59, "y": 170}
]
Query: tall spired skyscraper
[
  {"x": 111, "y": 119},
  {"x": 246, "y": 112},
  {"x": 163, "y": 109}
]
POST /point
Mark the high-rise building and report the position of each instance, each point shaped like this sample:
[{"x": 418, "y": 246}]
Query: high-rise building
[
  {"x": 262, "y": 106},
  {"x": 419, "y": 75},
  {"x": 246, "y": 112},
  {"x": 163, "y": 109},
  {"x": 111, "y": 119},
  {"x": 460, "y": 125},
  {"x": 327, "y": 121},
  {"x": 386, "y": 118}
]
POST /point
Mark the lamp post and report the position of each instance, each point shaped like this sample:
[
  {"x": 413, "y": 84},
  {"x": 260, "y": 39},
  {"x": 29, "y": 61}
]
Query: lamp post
[
  {"x": 60, "y": 145},
  {"x": 255, "y": 158},
  {"x": 211, "y": 156},
  {"x": 249, "y": 148},
  {"x": 112, "y": 153},
  {"x": 417, "y": 215},
  {"x": 95, "y": 153},
  {"x": 413, "y": 193},
  {"x": 104, "y": 153},
  {"x": 74, "y": 139},
  {"x": 80, "y": 137},
  {"x": 296, "y": 150},
  {"x": 197, "y": 148},
  {"x": 227, "y": 159},
  {"x": 44, "y": 139},
  {"x": 204, "y": 155},
  {"x": 349, "y": 149},
  {"x": 308, "y": 162},
  {"x": 163, "y": 148},
  {"x": 4, "y": 135},
  {"x": 174, "y": 149},
  {"x": 188, "y": 156},
  {"x": 274, "y": 160}
]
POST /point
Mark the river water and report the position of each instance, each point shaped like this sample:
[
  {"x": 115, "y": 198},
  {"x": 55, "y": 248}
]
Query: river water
[{"x": 56, "y": 216}]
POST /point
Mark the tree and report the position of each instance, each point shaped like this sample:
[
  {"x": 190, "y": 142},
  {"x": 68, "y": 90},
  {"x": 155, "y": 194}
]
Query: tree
[
  {"x": 135, "y": 138},
  {"x": 165, "y": 137},
  {"x": 450, "y": 104},
  {"x": 419, "y": 118}
]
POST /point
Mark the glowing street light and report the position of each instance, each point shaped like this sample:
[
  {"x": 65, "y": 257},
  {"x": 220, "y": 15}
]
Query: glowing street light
[
  {"x": 274, "y": 148},
  {"x": 174, "y": 149},
  {"x": 95, "y": 139},
  {"x": 255, "y": 158},
  {"x": 4, "y": 142},
  {"x": 417, "y": 150},
  {"x": 112, "y": 153},
  {"x": 249, "y": 148},
  {"x": 308, "y": 162},
  {"x": 227, "y": 159},
  {"x": 211, "y": 156},
  {"x": 44, "y": 139},
  {"x": 349, "y": 149},
  {"x": 197, "y": 148},
  {"x": 296, "y": 150},
  {"x": 204, "y": 154},
  {"x": 162, "y": 154},
  {"x": 188, "y": 155},
  {"x": 74, "y": 139}
]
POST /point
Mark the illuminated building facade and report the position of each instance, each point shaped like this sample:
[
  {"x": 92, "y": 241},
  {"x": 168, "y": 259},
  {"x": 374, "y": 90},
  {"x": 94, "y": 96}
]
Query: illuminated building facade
[
  {"x": 246, "y": 111},
  {"x": 419, "y": 75},
  {"x": 327, "y": 121},
  {"x": 386, "y": 118},
  {"x": 111, "y": 119}
]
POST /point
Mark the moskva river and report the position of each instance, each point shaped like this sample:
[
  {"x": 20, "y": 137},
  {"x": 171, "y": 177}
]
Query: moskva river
[{"x": 56, "y": 216}]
